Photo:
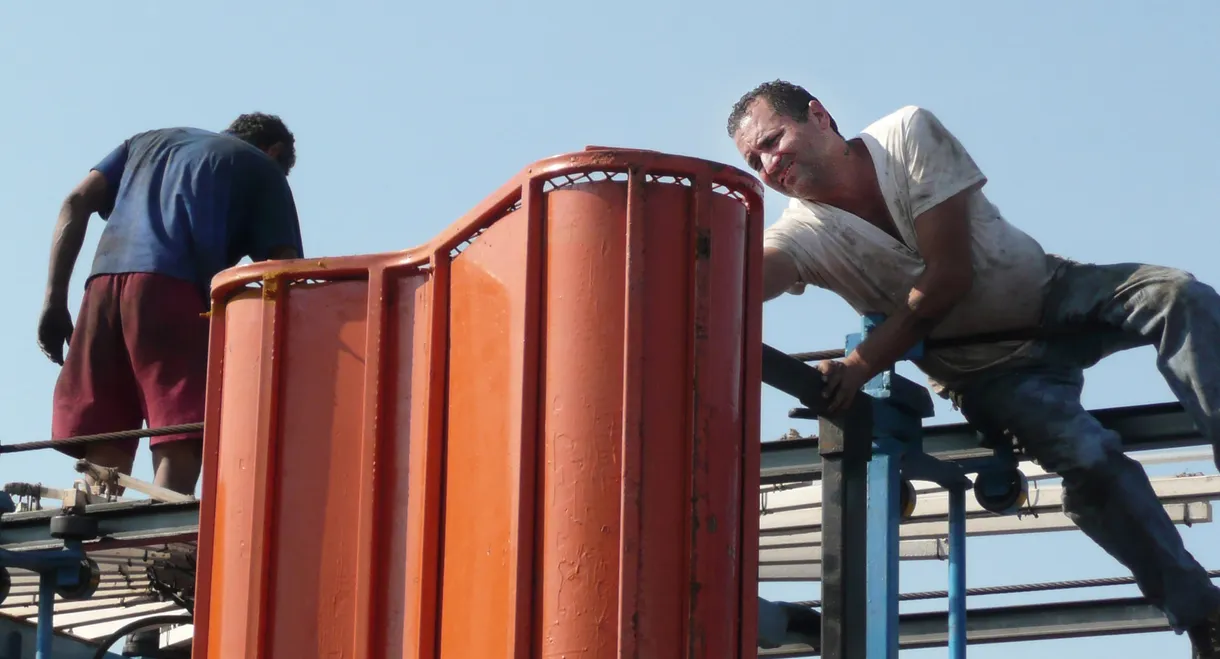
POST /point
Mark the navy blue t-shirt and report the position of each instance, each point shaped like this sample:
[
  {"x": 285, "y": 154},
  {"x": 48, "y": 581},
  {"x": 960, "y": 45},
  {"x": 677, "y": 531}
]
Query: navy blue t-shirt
[{"x": 189, "y": 203}]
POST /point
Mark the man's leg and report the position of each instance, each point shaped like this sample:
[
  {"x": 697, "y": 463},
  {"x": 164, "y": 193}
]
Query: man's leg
[
  {"x": 176, "y": 465},
  {"x": 167, "y": 337},
  {"x": 96, "y": 391},
  {"x": 1106, "y": 493},
  {"x": 1151, "y": 305}
]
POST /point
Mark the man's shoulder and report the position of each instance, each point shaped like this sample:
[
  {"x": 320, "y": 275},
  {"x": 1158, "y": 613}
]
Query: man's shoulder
[
  {"x": 187, "y": 140},
  {"x": 173, "y": 135},
  {"x": 808, "y": 217},
  {"x": 898, "y": 122}
]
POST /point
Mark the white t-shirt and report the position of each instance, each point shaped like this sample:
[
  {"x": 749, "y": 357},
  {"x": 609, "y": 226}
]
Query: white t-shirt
[{"x": 919, "y": 164}]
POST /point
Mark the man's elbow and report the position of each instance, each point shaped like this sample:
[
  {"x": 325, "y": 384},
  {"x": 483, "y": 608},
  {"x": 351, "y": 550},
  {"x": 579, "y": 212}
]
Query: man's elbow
[
  {"x": 957, "y": 283},
  {"x": 943, "y": 291},
  {"x": 77, "y": 205},
  {"x": 89, "y": 196}
]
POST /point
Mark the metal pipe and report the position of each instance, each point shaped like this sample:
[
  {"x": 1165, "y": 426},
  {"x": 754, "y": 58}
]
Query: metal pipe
[
  {"x": 957, "y": 573},
  {"x": 882, "y": 555},
  {"x": 46, "y": 614}
]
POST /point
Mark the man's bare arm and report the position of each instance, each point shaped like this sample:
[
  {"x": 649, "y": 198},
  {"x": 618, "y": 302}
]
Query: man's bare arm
[
  {"x": 55, "y": 322},
  {"x": 88, "y": 197},
  {"x": 779, "y": 273},
  {"x": 943, "y": 238}
]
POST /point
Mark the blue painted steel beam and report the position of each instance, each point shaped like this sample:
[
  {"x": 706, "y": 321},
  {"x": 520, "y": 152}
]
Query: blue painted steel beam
[
  {"x": 899, "y": 407},
  {"x": 46, "y": 614},
  {"x": 139, "y": 522},
  {"x": 882, "y": 551}
]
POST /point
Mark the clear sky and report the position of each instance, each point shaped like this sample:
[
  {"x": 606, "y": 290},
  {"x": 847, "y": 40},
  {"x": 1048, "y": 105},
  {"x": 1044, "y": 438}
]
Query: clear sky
[{"x": 1090, "y": 118}]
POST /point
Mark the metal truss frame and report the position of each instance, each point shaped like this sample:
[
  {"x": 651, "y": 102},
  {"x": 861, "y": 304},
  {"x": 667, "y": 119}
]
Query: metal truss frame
[{"x": 791, "y": 551}]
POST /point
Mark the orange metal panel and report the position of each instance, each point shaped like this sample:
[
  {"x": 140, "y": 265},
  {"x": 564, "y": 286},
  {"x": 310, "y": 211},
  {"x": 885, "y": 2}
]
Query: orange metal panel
[
  {"x": 426, "y": 460},
  {"x": 543, "y": 444},
  {"x": 229, "y": 616},
  {"x": 483, "y": 442},
  {"x": 308, "y": 458},
  {"x": 402, "y": 496},
  {"x": 314, "y": 561}
]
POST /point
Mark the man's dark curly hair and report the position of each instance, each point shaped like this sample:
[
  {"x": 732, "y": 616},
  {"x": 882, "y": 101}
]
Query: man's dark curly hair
[
  {"x": 787, "y": 99},
  {"x": 263, "y": 131}
]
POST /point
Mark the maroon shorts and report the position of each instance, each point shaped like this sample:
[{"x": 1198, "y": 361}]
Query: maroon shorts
[{"x": 138, "y": 353}]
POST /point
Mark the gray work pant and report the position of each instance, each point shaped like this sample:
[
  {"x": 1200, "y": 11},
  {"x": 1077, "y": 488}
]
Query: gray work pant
[{"x": 1037, "y": 399}]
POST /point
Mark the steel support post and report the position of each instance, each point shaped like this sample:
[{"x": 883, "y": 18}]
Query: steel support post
[
  {"x": 899, "y": 408},
  {"x": 957, "y": 572},
  {"x": 884, "y": 482},
  {"x": 844, "y": 444},
  {"x": 46, "y": 614}
]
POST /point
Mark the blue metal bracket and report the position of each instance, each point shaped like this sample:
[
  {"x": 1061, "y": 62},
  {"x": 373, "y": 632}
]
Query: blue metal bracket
[
  {"x": 58, "y": 569},
  {"x": 899, "y": 408}
]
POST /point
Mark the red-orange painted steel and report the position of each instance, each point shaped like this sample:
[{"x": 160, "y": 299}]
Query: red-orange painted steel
[
  {"x": 534, "y": 436},
  {"x": 306, "y": 467}
]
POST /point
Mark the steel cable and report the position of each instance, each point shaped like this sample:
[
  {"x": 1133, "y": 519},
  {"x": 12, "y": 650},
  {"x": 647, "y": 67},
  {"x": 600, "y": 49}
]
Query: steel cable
[{"x": 103, "y": 437}]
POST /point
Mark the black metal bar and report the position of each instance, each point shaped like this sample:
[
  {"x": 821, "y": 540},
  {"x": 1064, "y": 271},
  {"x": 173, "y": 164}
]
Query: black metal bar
[
  {"x": 1142, "y": 427},
  {"x": 793, "y": 377},
  {"x": 1007, "y": 624},
  {"x": 845, "y": 445}
]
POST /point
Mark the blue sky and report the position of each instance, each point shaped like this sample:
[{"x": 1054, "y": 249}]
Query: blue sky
[{"x": 1092, "y": 120}]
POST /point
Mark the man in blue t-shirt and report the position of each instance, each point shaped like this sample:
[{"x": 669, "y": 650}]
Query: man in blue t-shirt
[{"x": 180, "y": 204}]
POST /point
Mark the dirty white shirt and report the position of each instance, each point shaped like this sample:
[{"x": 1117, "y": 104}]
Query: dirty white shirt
[{"x": 919, "y": 164}]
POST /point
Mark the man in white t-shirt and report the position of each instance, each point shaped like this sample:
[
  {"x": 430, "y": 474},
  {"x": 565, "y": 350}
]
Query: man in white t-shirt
[{"x": 895, "y": 222}]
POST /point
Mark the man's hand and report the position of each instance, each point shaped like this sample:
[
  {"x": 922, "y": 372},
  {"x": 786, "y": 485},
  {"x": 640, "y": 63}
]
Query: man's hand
[
  {"x": 54, "y": 331},
  {"x": 843, "y": 380}
]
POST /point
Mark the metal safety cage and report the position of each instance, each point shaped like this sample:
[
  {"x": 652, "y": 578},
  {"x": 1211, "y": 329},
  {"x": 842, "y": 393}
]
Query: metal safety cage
[{"x": 400, "y": 314}]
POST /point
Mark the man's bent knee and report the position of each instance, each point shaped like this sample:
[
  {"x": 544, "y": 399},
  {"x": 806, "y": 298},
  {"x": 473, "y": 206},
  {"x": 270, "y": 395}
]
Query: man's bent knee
[{"x": 1091, "y": 487}]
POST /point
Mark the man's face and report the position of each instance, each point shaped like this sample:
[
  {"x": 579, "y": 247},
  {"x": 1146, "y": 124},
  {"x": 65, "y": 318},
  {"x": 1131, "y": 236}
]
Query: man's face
[{"x": 791, "y": 157}]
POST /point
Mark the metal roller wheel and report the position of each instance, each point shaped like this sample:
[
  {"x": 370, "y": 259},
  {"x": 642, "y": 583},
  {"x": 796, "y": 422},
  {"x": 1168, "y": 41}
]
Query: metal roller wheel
[
  {"x": 86, "y": 586},
  {"x": 1002, "y": 491},
  {"x": 906, "y": 500},
  {"x": 73, "y": 527}
]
